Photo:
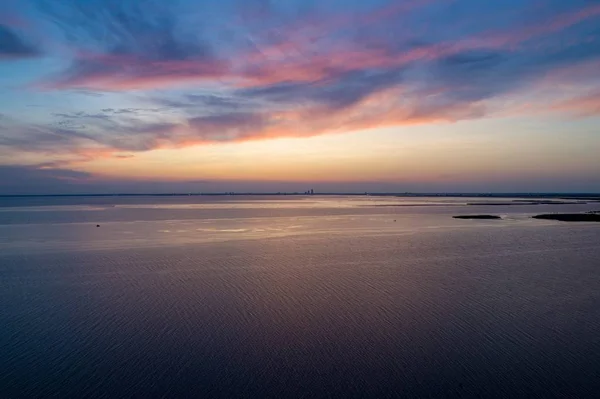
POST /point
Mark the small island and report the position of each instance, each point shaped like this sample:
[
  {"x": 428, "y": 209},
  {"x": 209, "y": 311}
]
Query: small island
[
  {"x": 571, "y": 217},
  {"x": 484, "y": 217}
]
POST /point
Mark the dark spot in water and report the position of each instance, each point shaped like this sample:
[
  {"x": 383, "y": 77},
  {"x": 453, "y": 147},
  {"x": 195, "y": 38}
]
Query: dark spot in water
[
  {"x": 571, "y": 217},
  {"x": 477, "y": 217}
]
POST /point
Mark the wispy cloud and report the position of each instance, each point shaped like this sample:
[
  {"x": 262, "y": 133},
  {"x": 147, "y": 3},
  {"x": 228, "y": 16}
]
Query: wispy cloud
[
  {"x": 242, "y": 71},
  {"x": 13, "y": 46},
  {"x": 144, "y": 47},
  {"x": 584, "y": 105}
]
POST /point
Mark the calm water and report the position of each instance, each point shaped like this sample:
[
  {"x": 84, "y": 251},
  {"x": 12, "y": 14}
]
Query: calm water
[{"x": 295, "y": 297}]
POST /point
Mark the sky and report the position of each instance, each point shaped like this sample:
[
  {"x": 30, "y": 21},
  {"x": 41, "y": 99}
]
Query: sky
[{"x": 100, "y": 96}]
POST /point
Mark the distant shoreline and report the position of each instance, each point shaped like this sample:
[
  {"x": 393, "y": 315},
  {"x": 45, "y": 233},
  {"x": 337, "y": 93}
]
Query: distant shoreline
[
  {"x": 570, "y": 217},
  {"x": 569, "y": 196}
]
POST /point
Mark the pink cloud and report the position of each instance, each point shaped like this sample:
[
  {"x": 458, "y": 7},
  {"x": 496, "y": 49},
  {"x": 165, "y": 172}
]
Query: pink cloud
[
  {"x": 126, "y": 72},
  {"x": 295, "y": 60},
  {"x": 382, "y": 109},
  {"x": 584, "y": 105},
  {"x": 307, "y": 53},
  {"x": 519, "y": 36}
]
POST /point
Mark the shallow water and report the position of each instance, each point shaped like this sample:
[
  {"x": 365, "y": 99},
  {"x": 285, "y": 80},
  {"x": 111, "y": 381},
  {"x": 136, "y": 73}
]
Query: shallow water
[{"x": 296, "y": 297}]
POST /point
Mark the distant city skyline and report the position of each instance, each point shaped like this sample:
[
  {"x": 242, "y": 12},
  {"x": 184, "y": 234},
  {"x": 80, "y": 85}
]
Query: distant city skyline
[{"x": 108, "y": 96}]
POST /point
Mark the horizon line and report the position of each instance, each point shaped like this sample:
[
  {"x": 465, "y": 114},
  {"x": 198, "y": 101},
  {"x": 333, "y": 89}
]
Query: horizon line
[{"x": 296, "y": 193}]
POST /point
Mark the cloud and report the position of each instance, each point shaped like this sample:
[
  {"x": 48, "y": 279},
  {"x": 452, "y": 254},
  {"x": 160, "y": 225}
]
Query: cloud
[
  {"x": 334, "y": 93},
  {"x": 586, "y": 105},
  {"x": 130, "y": 111},
  {"x": 118, "y": 130},
  {"x": 86, "y": 135},
  {"x": 269, "y": 71},
  {"x": 129, "y": 45},
  {"x": 377, "y": 109},
  {"x": 18, "y": 179},
  {"x": 227, "y": 126},
  {"x": 41, "y": 138},
  {"x": 53, "y": 178},
  {"x": 117, "y": 72},
  {"x": 145, "y": 47},
  {"x": 13, "y": 47}
]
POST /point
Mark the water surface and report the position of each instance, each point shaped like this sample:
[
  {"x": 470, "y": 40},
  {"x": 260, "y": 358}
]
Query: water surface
[{"x": 296, "y": 297}]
